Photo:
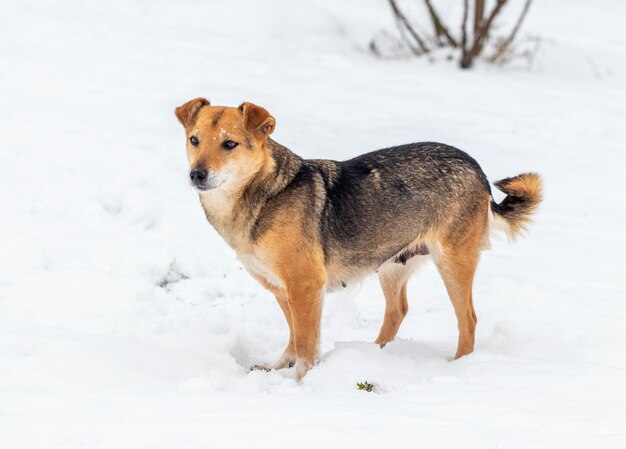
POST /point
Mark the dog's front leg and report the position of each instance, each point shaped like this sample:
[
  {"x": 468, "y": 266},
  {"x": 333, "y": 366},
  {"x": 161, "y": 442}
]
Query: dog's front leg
[
  {"x": 288, "y": 358},
  {"x": 297, "y": 264},
  {"x": 305, "y": 304}
]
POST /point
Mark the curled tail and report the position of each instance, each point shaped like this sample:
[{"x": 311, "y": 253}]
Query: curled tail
[{"x": 523, "y": 195}]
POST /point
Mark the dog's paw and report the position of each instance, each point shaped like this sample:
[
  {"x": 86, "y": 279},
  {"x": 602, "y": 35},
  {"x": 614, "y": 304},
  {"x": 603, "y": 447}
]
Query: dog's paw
[
  {"x": 287, "y": 360},
  {"x": 260, "y": 367},
  {"x": 302, "y": 367}
]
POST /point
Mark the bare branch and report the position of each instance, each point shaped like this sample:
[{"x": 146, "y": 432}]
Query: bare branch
[
  {"x": 503, "y": 47},
  {"x": 479, "y": 14},
  {"x": 464, "y": 63},
  {"x": 440, "y": 28},
  {"x": 484, "y": 28},
  {"x": 401, "y": 18},
  {"x": 479, "y": 39},
  {"x": 519, "y": 21}
]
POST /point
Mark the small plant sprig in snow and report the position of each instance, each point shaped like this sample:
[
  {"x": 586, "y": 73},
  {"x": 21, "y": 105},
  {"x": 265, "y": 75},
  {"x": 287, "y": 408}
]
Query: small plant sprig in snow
[{"x": 366, "y": 386}]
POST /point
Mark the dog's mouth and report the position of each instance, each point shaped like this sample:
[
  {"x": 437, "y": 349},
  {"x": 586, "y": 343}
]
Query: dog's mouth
[
  {"x": 203, "y": 187},
  {"x": 209, "y": 184}
]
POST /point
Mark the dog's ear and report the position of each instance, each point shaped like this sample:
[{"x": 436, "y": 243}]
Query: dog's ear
[
  {"x": 257, "y": 120},
  {"x": 187, "y": 112}
]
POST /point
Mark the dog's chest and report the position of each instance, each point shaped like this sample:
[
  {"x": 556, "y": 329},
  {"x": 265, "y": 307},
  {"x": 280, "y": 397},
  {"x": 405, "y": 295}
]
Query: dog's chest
[
  {"x": 218, "y": 208},
  {"x": 219, "y": 211}
]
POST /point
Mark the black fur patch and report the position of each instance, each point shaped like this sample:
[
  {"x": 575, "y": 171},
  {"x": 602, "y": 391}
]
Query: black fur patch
[
  {"x": 421, "y": 250},
  {"x": 218, "y": 117}
]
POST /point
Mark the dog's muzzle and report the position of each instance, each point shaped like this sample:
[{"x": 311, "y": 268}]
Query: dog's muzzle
[
  {"x": 200, "y": 179},
  {"x": 203, "y": 179},
  {"x": 198, "y": 176}
]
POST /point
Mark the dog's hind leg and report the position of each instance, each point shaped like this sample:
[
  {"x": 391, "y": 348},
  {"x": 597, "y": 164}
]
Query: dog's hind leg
[
  {"x": 457, "y": 266},
  {"x": 396, "y": 308},
  {"x": 393, "y": 277}
]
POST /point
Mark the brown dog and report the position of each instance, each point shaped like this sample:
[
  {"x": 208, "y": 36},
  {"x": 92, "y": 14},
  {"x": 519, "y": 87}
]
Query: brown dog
[{"x": 305, "y": 227}]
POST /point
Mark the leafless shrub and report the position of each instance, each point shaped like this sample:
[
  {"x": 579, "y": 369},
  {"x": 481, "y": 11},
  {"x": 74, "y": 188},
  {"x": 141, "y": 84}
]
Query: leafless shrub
[{"x": 473, "y": 40}]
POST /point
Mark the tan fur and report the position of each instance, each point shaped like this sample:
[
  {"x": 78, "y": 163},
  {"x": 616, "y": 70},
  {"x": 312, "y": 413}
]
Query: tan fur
[
  {"x": 457, "y": 265},
  {"x": 299, "y": 264}
]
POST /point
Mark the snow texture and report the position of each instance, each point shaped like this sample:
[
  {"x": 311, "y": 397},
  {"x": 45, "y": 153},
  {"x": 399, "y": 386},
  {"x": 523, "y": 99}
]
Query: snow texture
[{"x": 125, "y": 320}]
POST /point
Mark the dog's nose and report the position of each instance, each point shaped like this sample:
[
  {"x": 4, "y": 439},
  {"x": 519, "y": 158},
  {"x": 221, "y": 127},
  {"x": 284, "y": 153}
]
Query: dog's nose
[{"x": 198, "y": 175}]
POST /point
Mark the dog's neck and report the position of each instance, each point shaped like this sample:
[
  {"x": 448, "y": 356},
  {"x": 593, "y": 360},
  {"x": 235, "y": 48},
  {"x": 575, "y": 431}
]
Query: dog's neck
[
  {"x": 233, "y": 213},
  {"x": 279, "y": 170}
]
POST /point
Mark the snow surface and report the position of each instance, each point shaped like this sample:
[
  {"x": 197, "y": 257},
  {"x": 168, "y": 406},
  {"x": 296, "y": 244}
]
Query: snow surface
[{"x": 126, "y": 322}]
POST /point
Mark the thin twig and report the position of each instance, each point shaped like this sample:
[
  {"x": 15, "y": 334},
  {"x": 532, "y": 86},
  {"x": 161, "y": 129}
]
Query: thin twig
[
  {"x": 402, "y": 19},
  {"x": 507, "y": 42},
  {"x": 440, "y": 28},
  {"x": 464, "y": 34}
]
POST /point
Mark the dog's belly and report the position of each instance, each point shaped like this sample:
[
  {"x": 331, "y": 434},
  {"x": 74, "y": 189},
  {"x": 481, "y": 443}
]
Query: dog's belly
[
  {"x": 340, "y": 276},
  {"x": 337, "y": 276}
]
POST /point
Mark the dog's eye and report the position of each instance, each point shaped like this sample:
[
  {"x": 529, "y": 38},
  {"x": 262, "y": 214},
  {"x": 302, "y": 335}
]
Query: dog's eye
[
  {"x": 194, "y": 141},
  {"x": 229, "y": 145}
]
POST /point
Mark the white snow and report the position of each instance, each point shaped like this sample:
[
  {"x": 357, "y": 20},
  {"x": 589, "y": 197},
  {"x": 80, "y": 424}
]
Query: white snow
[{"x": 126, "y": 322}]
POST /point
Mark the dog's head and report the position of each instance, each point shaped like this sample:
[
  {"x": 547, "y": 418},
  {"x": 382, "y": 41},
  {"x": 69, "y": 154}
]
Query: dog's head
[{"x": 226, "y": 147}]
